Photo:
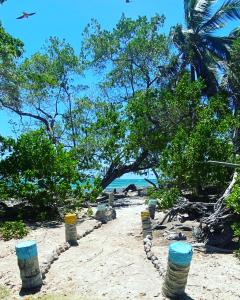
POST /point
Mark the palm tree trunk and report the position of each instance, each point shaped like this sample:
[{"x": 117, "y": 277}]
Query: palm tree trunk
[{"x": 192, "y": 73}]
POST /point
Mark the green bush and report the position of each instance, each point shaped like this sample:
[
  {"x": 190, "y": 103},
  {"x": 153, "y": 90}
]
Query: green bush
[
  {"x": 233, "y": 202},
  {"x": 166, "y": 197},
  {"x": 236, "y": 232},
  {"x": 13, "y": 230},
  {"x": 89, "y": 212},
  {"x": 4, "y": 292},
  {"x": 44, "y": 174}
]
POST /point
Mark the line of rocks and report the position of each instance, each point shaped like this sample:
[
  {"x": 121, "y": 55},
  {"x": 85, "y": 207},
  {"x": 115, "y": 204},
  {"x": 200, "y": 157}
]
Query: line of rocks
[
  {"x": 147, "y": 242},
  {"x": 54, "y": 255}
]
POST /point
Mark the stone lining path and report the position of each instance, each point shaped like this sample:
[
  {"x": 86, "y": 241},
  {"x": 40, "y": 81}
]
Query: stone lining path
[{"x": 110, "y": 263}]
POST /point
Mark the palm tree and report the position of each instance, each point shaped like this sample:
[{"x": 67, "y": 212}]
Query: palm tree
[{"x": 200, "y": 49}]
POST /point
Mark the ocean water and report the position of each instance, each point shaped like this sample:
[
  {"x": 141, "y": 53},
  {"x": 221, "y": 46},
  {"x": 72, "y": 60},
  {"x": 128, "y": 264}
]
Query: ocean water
[{"x": 123, "y": 183}]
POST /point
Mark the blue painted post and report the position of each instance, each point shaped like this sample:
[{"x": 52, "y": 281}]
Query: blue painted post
[
  {"x": 152, "y": 203},
  {"x": 179, "y": 260},
  {"x": 28, "y": 264}
]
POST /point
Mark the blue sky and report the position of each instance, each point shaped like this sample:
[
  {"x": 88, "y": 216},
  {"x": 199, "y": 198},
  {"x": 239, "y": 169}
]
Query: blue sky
[{"x": 67, "y": 19}]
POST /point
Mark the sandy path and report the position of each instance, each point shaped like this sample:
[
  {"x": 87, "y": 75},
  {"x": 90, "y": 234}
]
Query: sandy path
[{"x": 108, "y": 264}]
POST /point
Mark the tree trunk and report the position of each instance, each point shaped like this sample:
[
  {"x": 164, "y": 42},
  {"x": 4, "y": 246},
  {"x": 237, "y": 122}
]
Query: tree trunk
[{"x": 115, "y": 170}]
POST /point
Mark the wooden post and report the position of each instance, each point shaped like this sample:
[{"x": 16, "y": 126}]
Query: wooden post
[
  {"x": 179, "y": 260},
  {"x": 28, "y": 264},
  {"x": 152, "y": 203},
  {"x": 111, "y": 199},
  {"x": 71, "y": 229},
  {"x": 146, "y": 223}
]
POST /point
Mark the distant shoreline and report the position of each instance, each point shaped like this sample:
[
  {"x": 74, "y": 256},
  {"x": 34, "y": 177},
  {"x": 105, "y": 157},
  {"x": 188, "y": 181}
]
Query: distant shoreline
[{"x": 120, "y": 184}]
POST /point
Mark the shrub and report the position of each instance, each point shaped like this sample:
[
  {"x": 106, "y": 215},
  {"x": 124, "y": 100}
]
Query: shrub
[
  {"x": 43, "y": 174},
  {"x": 4, "y": 292},
  {"x": 166, "y": 197},
  {"x": 89, "y": 212},
  {"x": 233, "y": 202},
  {"x": 13, "y": 230}
]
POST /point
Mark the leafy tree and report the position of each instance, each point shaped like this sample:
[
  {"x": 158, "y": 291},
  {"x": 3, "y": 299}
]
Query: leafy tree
[
  {"x": 231, "y": 85},
  {"x": 200, "y": 48},
  {"x": 10, "y": 50},
  {"x": 46, "y": 87},
  {"x": 41, "y": 173},
  {"x": 134, "y": 56},
  {"x": 209, "y": 138}
]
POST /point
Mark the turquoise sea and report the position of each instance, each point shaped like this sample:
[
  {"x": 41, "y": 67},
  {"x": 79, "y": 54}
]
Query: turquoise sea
[{"x": 123, "y": 183}]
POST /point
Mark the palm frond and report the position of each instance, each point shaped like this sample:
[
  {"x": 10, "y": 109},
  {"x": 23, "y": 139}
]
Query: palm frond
[
  {"x": 218, "y": 46},
  {"x": 188, "y": 11},
  {"x": 204, "y": 6},
  {"x": 235, "y": 33},
  {"x": 229, "y": 10}
]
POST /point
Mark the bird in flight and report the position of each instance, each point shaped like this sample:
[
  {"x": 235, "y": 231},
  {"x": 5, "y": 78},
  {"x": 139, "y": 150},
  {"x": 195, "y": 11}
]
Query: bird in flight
[{"x": 25, "y": 15}]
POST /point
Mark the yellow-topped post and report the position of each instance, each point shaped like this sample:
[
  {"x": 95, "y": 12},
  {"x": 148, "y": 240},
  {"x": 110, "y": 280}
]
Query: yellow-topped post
[
  {"x": 146, "y": 223},
  {"x": 70, "y": 221}
]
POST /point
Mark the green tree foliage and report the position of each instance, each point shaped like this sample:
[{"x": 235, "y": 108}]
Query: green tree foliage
[
  {"x": 10, "y": 50},
  {"x": 41, "y": 173},
  {"x": 135, "y": 55},
  {"x": 46, "y": 87},
  {"x": 13, "y": 230},
  {"x": 133, "y": 58},
  {"x": 193, "y": 143}
]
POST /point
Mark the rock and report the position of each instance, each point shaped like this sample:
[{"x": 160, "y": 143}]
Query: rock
[
  {"x": 61, "y": 248},
  {"x": 66, "y": 246},
  {"x": 145, "y": 241},
  {"x": 130, "y": 187},
  {"x": 176, "y": 236},
  {"x": 154, "y": 258},
  {"x": 142, "y": 192},
  {"x": 147, "y": 249},
  {"x": 149, "y": 255},
  {"x": 149, "y": 237},
  {"x": 148, "y": 244},
  {"x": 106, "y": 215},
  {"x": 132, "y": 194}
]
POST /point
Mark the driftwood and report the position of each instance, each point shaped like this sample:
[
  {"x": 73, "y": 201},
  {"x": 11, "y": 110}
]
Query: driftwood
[
  {"x": 195, "y": 210},
  {"x": 216, "y": 229},
  {"x": 151, "y": 182},
  {"x": 215, "y": 218}
]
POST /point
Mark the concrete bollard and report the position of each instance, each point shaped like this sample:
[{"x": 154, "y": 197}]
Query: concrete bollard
[
  {"x": 179, "y": 260},
  {"x": 111, "y": 199},
  {"x": 71, "y": 229},
  {"x": 146, "y": 223},
  {"x": 28, "y": 264},
  {"x": 152, "y": 203}
]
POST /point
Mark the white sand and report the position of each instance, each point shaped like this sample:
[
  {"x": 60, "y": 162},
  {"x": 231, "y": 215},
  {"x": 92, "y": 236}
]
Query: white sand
[{"x": 110, "y": 264}]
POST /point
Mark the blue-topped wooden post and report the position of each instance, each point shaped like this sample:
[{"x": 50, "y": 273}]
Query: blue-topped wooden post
[
  {"x": 28, "y": 264},
  {"x": 152, "y": 203},
  {"x": 179, "y": 260}
]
